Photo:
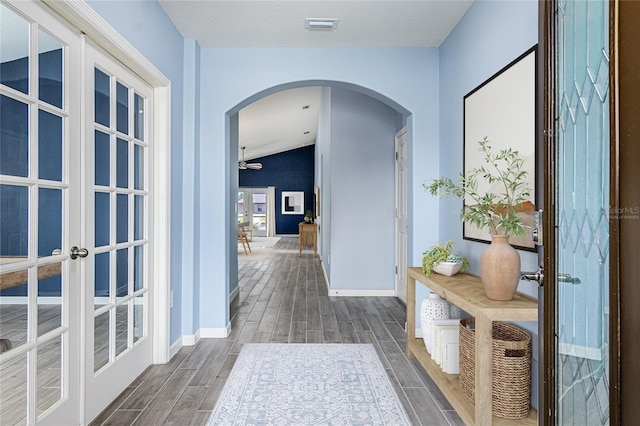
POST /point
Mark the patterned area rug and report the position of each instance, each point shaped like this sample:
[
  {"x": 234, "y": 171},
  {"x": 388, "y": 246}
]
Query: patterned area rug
[{"x": 308, "y": 384}]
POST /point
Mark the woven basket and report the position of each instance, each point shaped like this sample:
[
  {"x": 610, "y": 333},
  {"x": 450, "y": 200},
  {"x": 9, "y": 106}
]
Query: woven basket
[{"x": 511, "y": 368}]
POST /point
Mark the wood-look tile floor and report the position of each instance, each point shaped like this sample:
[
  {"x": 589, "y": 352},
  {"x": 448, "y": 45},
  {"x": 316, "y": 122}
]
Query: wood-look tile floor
[{"x": 282, "y": 298}]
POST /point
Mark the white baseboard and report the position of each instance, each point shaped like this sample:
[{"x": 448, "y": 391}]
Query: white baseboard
[
  {"x": 353, "y": 292},
  {"x": 215, "y": 333},
  {"x": 191, "y": 339}
]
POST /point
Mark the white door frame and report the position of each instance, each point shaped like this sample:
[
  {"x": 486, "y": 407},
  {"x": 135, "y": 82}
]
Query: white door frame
[
  {"x": 401, "y": 180},
  {"x": 87, "y": 20}
]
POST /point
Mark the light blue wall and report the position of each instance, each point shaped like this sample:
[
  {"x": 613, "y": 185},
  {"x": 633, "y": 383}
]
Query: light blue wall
[
  {"x": 189, "y": 309},
  {"x": 490, "y": 36},
  {"x": 145, "y": 25},
  {"x": 232, "y": 77},
  {"x": 363, "y": 193}
]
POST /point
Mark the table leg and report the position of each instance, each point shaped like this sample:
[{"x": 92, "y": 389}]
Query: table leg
[
  {"x": 411, "y": 313},
  {"x": 484, "y": 390}
]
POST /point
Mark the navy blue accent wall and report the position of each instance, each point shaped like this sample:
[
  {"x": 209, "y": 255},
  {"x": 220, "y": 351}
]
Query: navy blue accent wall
[{"x": 287, "y": 171}]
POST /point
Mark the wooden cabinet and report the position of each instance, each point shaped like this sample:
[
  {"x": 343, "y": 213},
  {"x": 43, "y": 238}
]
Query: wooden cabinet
[
  {"x": 466, "y": 292},
  {"x": 307, "y": 236}
]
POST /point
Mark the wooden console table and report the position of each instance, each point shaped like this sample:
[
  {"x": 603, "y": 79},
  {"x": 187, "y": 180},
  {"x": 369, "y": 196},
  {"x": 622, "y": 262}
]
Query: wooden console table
[
  {"x": 307, "y": 236},
  {"x": 466, "y": 292}
]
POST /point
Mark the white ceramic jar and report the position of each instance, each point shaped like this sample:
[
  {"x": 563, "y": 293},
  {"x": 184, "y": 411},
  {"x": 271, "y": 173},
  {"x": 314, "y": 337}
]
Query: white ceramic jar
[{"x": 432, "y": 308}]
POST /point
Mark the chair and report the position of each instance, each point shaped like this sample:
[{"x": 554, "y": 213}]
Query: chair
[{"x": 242, "y": 237}]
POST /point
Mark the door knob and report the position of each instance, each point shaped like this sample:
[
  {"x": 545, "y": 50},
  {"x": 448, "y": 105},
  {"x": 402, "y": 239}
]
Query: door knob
[
  {"x": 76, "y": 252},
  {"x": 533, "y": 276}
]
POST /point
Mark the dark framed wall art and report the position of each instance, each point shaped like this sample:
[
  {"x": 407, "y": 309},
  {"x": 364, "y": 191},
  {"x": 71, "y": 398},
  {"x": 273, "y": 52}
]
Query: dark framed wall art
[
  {"x": 293, "y": 202},
  {"x": 503, "y": 109}
]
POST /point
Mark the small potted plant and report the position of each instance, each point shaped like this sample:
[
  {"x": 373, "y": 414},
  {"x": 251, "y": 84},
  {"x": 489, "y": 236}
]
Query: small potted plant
[
  {"x": 442, "y": 259},
  {"x": 308, "y": 217},
  {"x": 499, "y": 263}
]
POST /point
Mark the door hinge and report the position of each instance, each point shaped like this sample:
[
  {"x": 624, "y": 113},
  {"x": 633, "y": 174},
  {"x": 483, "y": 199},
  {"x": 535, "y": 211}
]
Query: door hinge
[
  {"x": 396, "y": 155},
  {"x": 396, "y": 269}
]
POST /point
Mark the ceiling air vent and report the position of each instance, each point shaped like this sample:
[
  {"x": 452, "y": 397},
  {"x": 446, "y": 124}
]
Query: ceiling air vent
[{"x": 320, "y": 24}]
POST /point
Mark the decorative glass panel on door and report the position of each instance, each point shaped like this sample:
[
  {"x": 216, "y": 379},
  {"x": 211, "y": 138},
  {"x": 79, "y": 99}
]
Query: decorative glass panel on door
[{"x": 582, "y": 287}]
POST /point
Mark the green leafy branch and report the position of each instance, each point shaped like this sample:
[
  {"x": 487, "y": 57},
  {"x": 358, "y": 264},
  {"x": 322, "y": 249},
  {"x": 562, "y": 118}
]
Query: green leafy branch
[{"x": 497, "y": 212}]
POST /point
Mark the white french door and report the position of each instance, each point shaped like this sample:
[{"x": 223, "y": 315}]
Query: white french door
[
  {"x": 39, "y": 217},
  {"x": 253, "y": 208},
  {"x": 116, "y": 212}
]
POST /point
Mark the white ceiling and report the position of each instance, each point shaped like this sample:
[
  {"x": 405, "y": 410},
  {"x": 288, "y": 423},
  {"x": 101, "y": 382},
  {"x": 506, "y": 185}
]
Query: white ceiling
[{"x": 278, "y": 122}]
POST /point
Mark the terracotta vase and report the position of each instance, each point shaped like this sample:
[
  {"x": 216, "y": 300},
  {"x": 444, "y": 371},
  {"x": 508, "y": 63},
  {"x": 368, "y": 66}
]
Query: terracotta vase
[{"x": 500, "y": 269}]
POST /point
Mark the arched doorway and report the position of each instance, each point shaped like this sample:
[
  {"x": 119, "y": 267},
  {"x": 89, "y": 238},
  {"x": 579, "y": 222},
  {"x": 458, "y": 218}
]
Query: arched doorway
[{"x": 362, "y": 206}]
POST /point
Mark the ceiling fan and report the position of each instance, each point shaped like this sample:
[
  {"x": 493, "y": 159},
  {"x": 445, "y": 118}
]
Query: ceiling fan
[{"x": 243, "y": 165}]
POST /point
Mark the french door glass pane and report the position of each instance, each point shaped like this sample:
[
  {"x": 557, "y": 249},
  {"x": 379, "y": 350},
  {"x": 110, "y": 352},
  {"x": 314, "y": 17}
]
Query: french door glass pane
[
  {"x": 138, "y": 167},
  {"x": 102, "y": 213},
  {"x": 101, "y": 341},
  {"x": 122, "y": 328},
  {"x": 102, "y": 98},
  {"x": 14, "y": 226},
  {"x": 138, "y": 267},
  {"x": 102, "y": 274},
  {"x": 49, "y": 69},
  {"x": 122, "y": 218},
  {"x": 241, "y": 207},
  {"x": 102, "y": 158},
  {"x": 14, "y": 143},
  {"x": 49, "y": 146},
  {"x": 49, "y": 304},
  {"x": 138, "y": 317},
  {"x": 122, "y": 272},
  {"x": 138, "y": 117},
  {"x": 139, "y": 217},
  {"x": 122, "y": 111},
  {"x": 50, "y": 217},
  {"x": 49, "y": 377},
  {"x": 13, "y": 375},
  {"x": 14, "y": 317},
  {"x": 259, "y": 200},
  {"x": 14, "y": 50},
  {"x": 122, "y": 164}
]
